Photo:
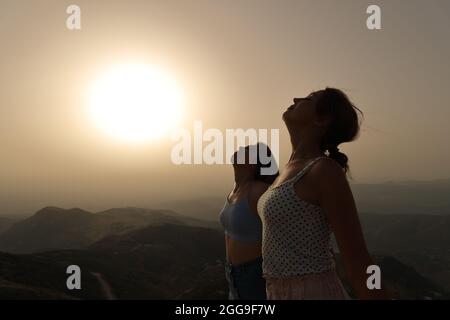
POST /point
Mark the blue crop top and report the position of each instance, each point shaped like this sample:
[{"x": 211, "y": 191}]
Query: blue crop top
[{"x": 240, "y": 223}]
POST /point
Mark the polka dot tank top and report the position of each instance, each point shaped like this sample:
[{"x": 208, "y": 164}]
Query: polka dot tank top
[{"x": 296, "y": 234}]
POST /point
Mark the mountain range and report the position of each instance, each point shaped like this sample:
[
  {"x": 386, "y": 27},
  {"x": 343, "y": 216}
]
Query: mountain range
[
  {"x": 408, "y": 197},
  {"x": 134, "y": 253},
  {"x": 160, "y": 262},
  {"x": 56, "y": 228},
  {"x": 155, "y": 262}
]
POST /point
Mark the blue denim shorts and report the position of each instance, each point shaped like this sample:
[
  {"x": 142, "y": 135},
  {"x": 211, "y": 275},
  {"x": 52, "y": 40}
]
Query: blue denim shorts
[{"x": 245, "y": 280}]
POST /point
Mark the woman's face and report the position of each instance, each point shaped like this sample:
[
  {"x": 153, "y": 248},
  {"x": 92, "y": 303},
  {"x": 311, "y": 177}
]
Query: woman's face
[{"x": 302, "y": 112}]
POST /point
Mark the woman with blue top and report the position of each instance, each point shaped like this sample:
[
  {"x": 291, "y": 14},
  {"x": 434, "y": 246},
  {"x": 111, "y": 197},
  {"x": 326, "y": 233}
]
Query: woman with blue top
[{"x": 243, "y": 229}]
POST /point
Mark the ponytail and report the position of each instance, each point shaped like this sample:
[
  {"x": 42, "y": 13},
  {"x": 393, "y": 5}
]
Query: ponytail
[{"x": 339, "y": 157}]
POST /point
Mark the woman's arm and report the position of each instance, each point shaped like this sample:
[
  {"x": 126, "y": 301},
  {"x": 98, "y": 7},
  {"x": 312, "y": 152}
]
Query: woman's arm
[{"x": 336, "y": 199}]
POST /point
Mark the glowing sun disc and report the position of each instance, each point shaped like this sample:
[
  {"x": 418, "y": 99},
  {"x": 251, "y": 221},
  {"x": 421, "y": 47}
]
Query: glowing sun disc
[{"x": 135, "y": 103}]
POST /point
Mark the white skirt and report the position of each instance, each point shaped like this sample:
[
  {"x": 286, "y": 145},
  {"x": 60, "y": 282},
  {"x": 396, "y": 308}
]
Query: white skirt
[{"x": 319, "y": 286}]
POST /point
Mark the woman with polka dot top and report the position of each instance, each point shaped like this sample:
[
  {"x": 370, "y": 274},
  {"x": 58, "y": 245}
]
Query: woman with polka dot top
[{"x": 310, "y": 200}]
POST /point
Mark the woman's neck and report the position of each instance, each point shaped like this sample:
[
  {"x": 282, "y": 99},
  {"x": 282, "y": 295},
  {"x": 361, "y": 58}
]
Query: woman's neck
[
  {"x": 304, "y": 149},
  {"x": 242, "y": 178}
]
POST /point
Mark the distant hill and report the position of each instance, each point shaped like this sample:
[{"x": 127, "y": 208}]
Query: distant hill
[
  {"x": 205, "y": 208},
  {"x": 56, "y": 228},
  {"x": 6, "y": 222},
  {"x": 401, "y": 281},
  {"x": 405, "y": 232},
  {"x": 421, "y": 241},
  {"x": 158, "y": 262},
  {"x": 409, "y": 197},
  {"x": 41, "y": 277}
]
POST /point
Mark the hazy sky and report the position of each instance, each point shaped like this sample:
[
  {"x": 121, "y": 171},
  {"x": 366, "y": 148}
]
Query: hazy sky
[{"x": 239, "y": 63}]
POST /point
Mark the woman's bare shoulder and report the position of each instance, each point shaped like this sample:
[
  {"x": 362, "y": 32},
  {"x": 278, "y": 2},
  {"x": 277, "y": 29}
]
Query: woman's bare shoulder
[{"x": 328, "y": 171}]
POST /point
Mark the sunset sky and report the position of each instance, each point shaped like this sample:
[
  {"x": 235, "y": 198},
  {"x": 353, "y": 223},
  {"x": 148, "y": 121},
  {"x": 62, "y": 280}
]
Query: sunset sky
[{"x": 238, "y": 64}]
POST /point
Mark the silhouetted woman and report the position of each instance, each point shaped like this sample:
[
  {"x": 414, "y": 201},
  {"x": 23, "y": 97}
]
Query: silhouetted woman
[
  {"x": 310, "y": 200},
  {"x": 243, "y": 229}
]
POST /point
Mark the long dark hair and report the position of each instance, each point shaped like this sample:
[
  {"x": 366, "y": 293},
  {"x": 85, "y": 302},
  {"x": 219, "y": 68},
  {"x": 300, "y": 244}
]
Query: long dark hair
[
  {"x": 344, "y": 126},
  {"x": 267, "y": 178}
]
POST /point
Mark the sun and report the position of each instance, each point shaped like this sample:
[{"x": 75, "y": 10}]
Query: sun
[{"x": 135, "y": 102}]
